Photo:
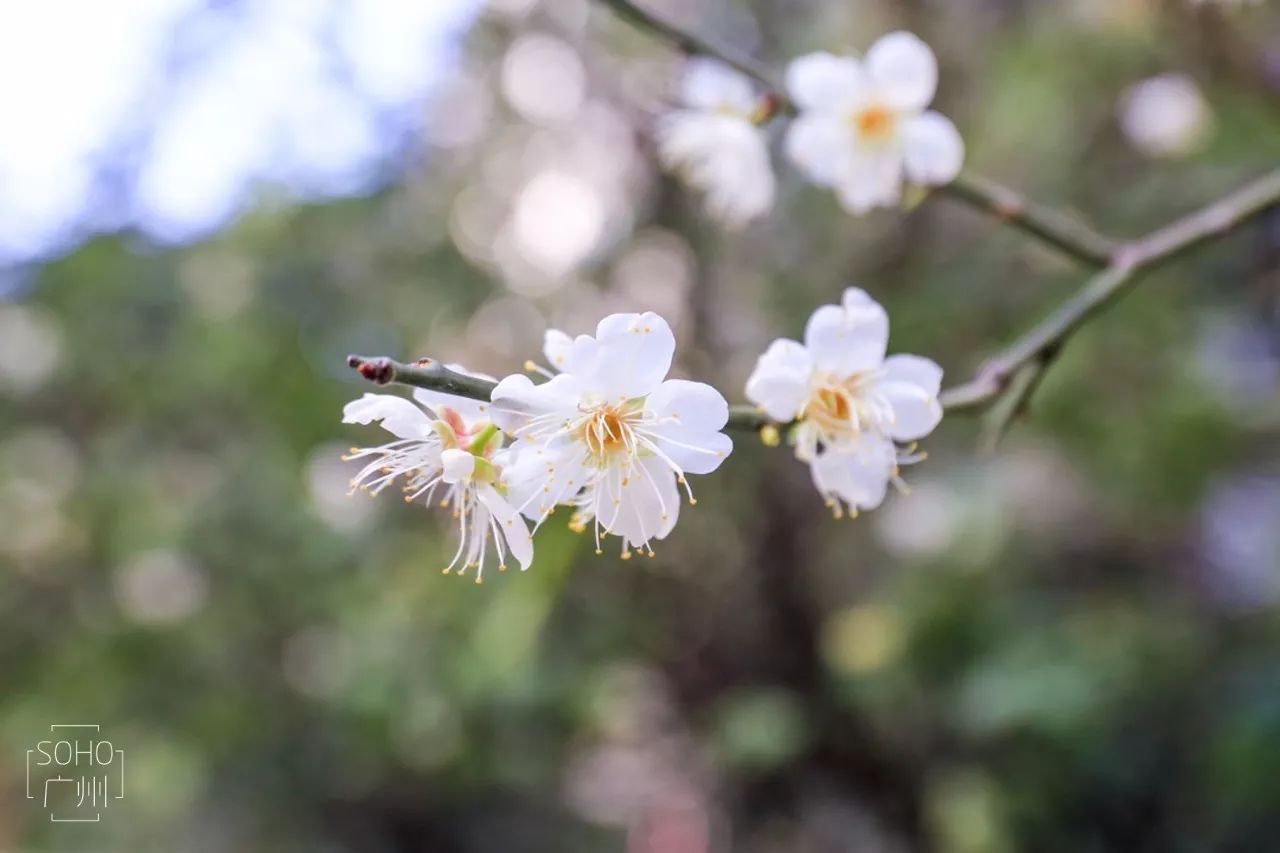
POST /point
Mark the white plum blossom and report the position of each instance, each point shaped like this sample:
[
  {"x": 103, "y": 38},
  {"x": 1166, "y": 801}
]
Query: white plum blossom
[
  {"x": 609, "y": 434},
  {"x": 715, "y": 143},
  {"x": 1165, "y": 116},
  {"x": 853, "y": 407},
  {"x": 863, "y": 124},
  {"x": 452, "y": 447}
]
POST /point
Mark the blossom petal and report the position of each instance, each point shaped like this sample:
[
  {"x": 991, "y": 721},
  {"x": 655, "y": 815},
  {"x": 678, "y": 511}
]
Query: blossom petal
[
  {"x": 688, "y": 417},
  {"x": 539, "y": 477},
  {"x": 398, "y": 416},
  {"x": 903, "y": 70},
  {"x": 710, "y": 85},
  {"x": 645, "y": 508},
  {"x": 872, "y": 178},
  {"x": 634, "y": 356},
  {"x": 565, "y": 354},
  {"x": 694, "y": 405},
  {"x": 780, "y": 382},
  {"x": 914, "y": 369},
  {"x": 932, "y": 149},
  {"x": 915, "y": 411},
  {"x": 725, "y": 156},
  {"x": 457, "y": 465},
  {"x": 859, "y": 477},
  {"x": 557, "y": 347},
  {"x": 848, "y": 338},
  {"x": 821, "y": 145},
  {"x": 516, "y": 399},
  {"x": 511, "y": 526},
  {"x": 824, "y": 81}
]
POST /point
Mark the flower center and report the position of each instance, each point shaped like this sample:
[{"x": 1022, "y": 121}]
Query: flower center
[
  {"x": 830, "y": 408},
  {"x": 874, "y": 122},
  {"x": 607, "y": 430},
  {"x": 839, "y": 407}
]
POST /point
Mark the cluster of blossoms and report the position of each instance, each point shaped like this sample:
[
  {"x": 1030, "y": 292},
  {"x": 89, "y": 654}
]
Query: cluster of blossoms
[
  {"x": 852, "y": 409},
  {"x": 609, "y": 436},
  {"x": 862, "y": 128}
]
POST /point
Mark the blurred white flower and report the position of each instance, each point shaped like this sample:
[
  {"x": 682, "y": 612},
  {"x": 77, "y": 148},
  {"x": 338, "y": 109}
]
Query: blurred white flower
[
  {"x": 715, "y": 143},
  {"x": 610, "y": 434},
  {"x": 852, "y": 405},
  {"x": 863, "y": 125},
  {"x": 1165, "y": 116},
  {"x": 449, "y": 446}
]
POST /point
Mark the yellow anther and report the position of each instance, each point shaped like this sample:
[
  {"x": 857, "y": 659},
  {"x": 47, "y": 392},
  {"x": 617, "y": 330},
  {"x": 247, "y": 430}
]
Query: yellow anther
[
  {"x": 626, "y": 555},
  {"x": 769, "y": 436}
]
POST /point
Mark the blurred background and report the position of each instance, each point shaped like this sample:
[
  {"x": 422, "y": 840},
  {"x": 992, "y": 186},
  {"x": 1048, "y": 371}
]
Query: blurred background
[{"x": 1072, "y": 644}]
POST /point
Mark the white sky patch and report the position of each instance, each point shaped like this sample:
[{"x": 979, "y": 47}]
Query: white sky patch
[{"x": 309, "y": 94}]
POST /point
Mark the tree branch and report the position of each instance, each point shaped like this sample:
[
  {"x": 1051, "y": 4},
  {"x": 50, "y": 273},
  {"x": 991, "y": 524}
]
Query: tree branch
[
  {"x": 694, "y": 45},
  {"x": 1054, "y": 228},
  {"x": 1132, "y": 261}
]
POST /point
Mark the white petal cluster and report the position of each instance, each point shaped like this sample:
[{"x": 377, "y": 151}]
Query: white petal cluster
[
  {"x": 863, "y": 129},
  {"x": 609, "y": 434},
  {"x": 853, "y": 407},
  {"x": 715, "y": 143},
  {"x": 863, "y": 125},
  {"x": 446, "y": 446}
]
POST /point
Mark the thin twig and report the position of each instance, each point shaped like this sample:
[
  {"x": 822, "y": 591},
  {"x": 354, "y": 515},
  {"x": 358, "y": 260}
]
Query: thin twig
[
  {"x": 1132, "y": 261},
  {"x": 433, "y": 375},
  {"x": 694, "y": 45},
  {"x": 1052, "y": 227},
  {"x": 1014, "y": 403}
]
